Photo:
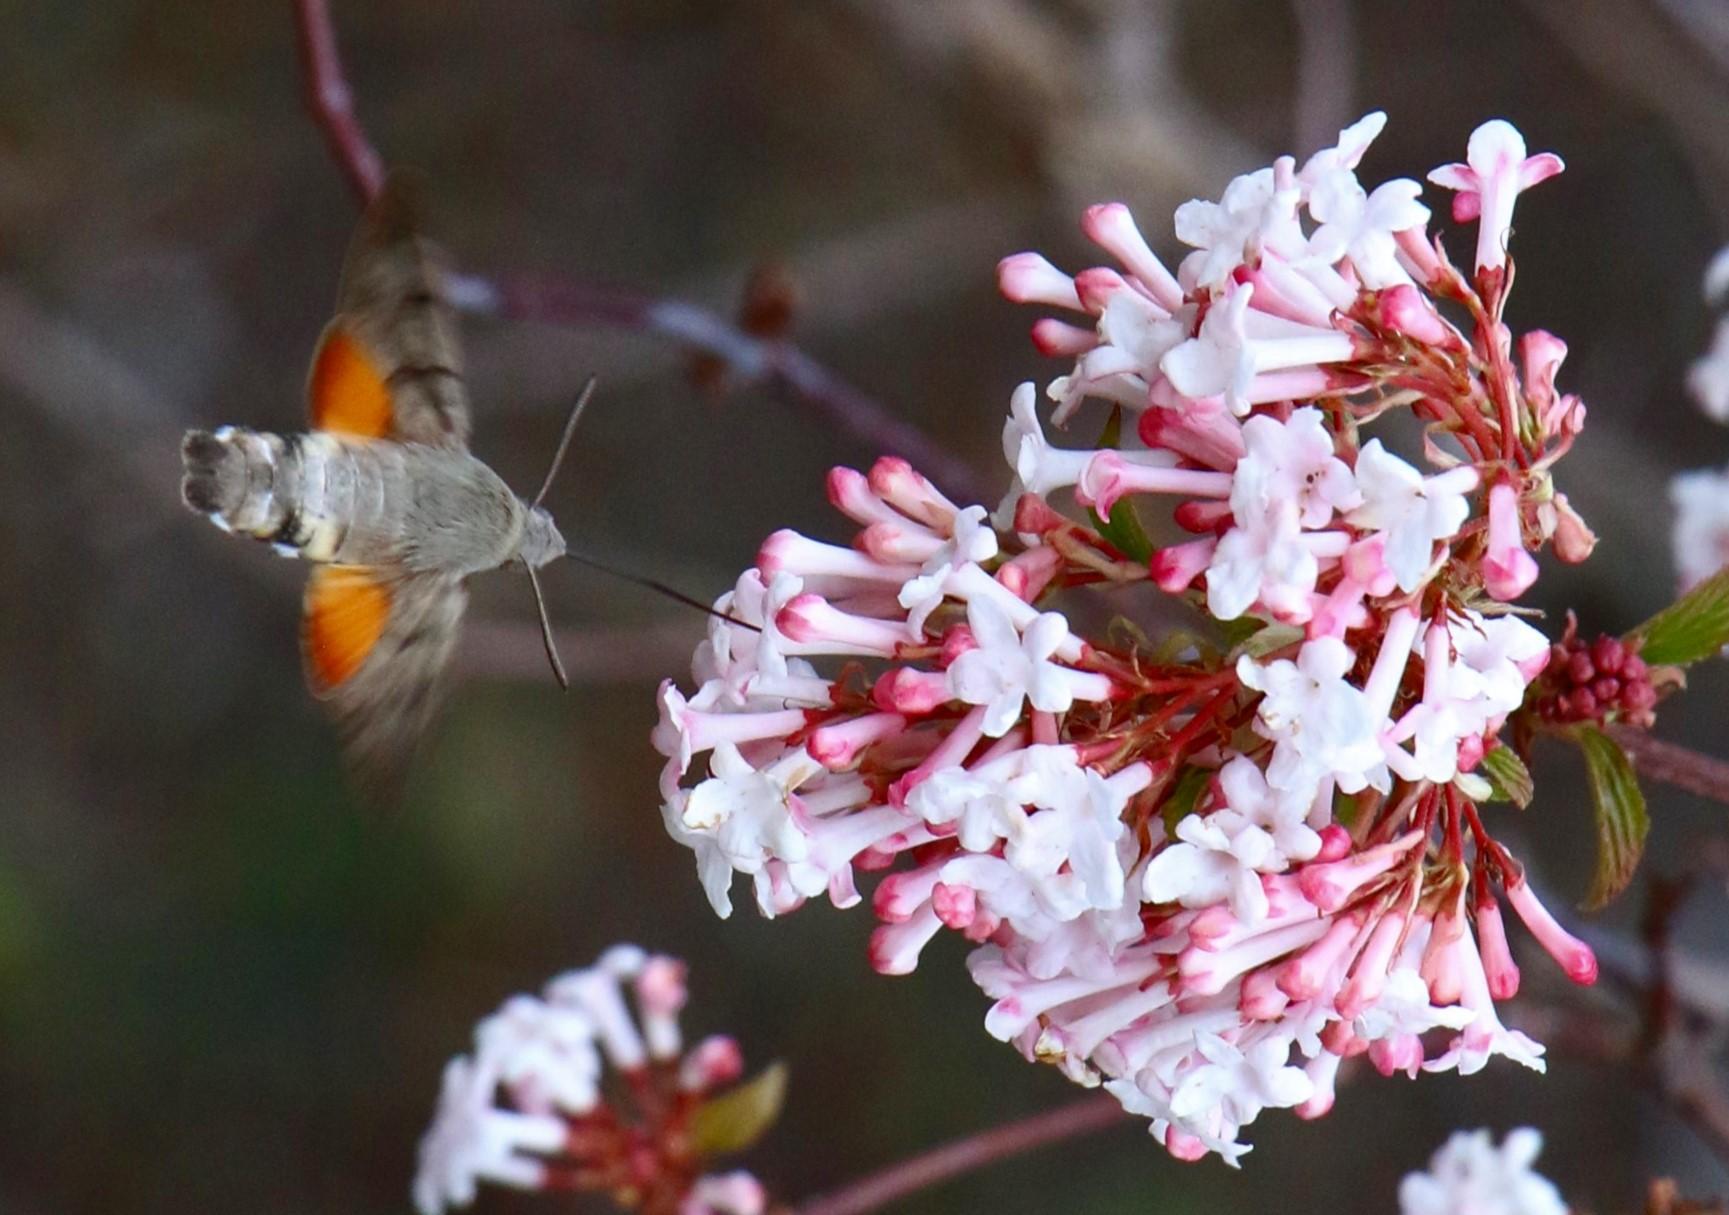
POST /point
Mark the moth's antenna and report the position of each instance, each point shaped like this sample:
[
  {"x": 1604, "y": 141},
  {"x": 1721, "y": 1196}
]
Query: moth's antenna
[
  {"x": 545, "y": 622},
  {"x": 662, "y": 589},
  {"x": 564, "y": 444}
]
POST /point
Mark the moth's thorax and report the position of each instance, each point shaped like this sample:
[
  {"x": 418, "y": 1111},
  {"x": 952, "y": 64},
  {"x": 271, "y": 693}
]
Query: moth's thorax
[
  {"x": 359, "y": 502},
  {"x": 541, "y": 541}
]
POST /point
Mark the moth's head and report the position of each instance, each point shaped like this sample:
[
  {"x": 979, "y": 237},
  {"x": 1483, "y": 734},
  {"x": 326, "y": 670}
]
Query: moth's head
[{"x": 541, "y": 541}]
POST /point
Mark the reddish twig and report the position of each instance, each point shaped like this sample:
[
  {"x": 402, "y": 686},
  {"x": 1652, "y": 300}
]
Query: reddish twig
[
  {"x": 529, "y": 297},
  {"x": 331, "y": 101},
  {"x": 1673, "y": 764},
  {"x": 872, "y": 1192}
]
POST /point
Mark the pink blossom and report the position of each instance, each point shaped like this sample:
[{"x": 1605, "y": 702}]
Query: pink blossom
[{"x": 1496, "y": 172}]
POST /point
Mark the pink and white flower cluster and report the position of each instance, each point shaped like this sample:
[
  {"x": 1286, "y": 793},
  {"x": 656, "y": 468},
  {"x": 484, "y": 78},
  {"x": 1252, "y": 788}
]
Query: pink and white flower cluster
[
  {"x": 533, "y": 1107},
  {"x": 1700, "y": 538},
  {"x": 1201, "y": 871}
]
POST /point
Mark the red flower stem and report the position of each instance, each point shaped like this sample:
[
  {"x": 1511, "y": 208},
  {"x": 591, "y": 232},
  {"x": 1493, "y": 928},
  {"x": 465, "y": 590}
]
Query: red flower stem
[
  {"x": 1672, "y": 764},
  {"x": 876, "y": 1190}
]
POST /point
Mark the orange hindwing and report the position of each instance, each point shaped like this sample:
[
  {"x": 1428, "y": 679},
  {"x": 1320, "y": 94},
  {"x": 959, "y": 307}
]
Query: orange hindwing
[
  {"x": 346, "y": 610},
  {"x": 345, "y": 392}
]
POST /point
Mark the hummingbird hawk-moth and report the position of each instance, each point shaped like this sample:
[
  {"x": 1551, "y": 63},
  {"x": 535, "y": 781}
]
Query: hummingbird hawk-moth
[{"x": 381, "y": 493}]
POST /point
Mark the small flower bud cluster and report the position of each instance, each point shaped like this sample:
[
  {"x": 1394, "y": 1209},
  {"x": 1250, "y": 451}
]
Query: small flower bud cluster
[
  {"x": 1595, "y": 681},
  {"x": 1203, "y": 872},
  {"x": 533, "y": 1107}
]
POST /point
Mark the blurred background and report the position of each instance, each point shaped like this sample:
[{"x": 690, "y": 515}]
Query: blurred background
[{"x": 225, "y": 986}]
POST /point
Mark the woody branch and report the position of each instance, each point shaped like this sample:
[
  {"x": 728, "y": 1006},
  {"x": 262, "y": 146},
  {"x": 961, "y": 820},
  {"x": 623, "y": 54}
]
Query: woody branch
[{"x": 775, "y": 362}]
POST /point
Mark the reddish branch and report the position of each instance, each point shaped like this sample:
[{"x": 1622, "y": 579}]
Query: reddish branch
[
  {"x": 771, "y": 361},
  {"x": 1675, "y": 765},
  {"x": 930, "y": 1168}
]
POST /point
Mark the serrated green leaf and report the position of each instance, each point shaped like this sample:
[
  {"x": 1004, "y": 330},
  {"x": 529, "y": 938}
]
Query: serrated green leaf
[
  {"x": 1181, "y": 802},
  {"x": 1695, "y": 626},
  {"x": 736, "y": 1119},
  {"x": 1508, "y": 777},
  {"x": 1620, "y": 810}
]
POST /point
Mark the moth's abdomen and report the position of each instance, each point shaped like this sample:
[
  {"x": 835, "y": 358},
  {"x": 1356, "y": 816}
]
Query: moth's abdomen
[{"x": 309, "y": 495}]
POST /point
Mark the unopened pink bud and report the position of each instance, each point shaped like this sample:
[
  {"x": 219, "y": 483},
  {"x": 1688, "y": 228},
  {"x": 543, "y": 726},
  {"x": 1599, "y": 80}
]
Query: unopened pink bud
[
  {"x": 1508, "y": 570},
  {"x": 1573, "y": 539},
  {"x": 906, "y": 489},
  {"x": 1576, "y": 959},
  {"x": 850, "y": 493},
  {"x": 1408, "y": 310},
  {"x": 1184, "y": 1146},
  {"x": 839, "y": 745},
  {"x": 1059, "y": 339},
  {"x": 1498, "y": 965},
  {"x": 1397, "y": 1053},
  {"x": 1028, "y": 278},
  {"x": 955, "y": 905},
  {"x": 1335, "y": 843},
  {"x": 1112, "y": 227},
  {"x": 907, "y": 690},
  {"x": 1174, "y": 568},
  {"x": 1034, "y": 516},
  {"x": 1028, "y": 573},
  {"x": 713, "y": 1062}
]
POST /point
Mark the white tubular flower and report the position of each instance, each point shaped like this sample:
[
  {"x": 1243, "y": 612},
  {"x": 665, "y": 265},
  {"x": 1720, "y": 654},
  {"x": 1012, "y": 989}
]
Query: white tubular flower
[
  {"x": 1292, "y": 462},
  {"x": 470, "y": 1141},
  {"x": 1412, "y": 510},
  {"x": 1496, "y": 171},
  {"x": 1209, "y": 865},
  {"x": 1010, "y": 669},
  {"x": 1404, "y": 1008},
  {"x": 1361, "y": 227},
  {"x": 1469, "y": 1175},
  {"x": 507, "y": 1114},
  {"x": 1322, "y": 725},
  {"x": 1254, "y": 213},
  {"x": 971, "y": 540}
]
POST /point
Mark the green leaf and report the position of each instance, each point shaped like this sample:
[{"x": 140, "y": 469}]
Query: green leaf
[
  {"x": 1621, "y": 818},
  {"x": 1181, "y": 803},
  {"x": 738, "y": 1118},
  {"x": 1508, "y": 776},
  {"x": 1265, "y": 640},
  {"x": 1695, "y": 626}
]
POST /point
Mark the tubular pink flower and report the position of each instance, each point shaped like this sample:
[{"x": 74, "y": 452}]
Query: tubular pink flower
[
  {"x": 850, "y": 493},
  {"x": 1397, "y": 1053},
  {"x": 1498, "y": 965},
  {"x": 1407, "y": 310},
  {"x": 1508, "y": 570},
  {"x": 685, "y": 732},
  {"x": 714, "y": 1062},
  {"x": 1028, "y": 278},
  {"x": 1059, "y": 339},
  {"x": 1028, "y": 573},
  {"x": 838, "y": 746},
  {"x": 910, "y": 691},
  {"x": 949, "y": 753},
  {"x": 899, "y": 544},
  {"x": 1330, "y": 885},
  {"x": 1390, "y": 662},
  {"x": 815, "y": 626},
  {"x": 1108, "y": 476},
  {"x": 1283, "y": 291},
  {"x": 1206, "y": 972},
  {"x": 1203, "y": 434},
  {"x": 1496, "y": 171},
  {"x": 895, "y": 948},
  {"x": 1368, "y": 977},
  {"x": 1112, "y": 228},
  {"x": 903, "y": 487},
  {"x": 1575, "y": 957},
  {"x": 1444, "y": 958},
  {"x": 1417, "y": 255},
  {"x": 1305, "y": 976}
]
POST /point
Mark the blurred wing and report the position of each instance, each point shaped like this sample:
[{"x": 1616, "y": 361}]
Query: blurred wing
[
  {"x": 390, "y": 365},
  {"x": 377, "y": 645}
]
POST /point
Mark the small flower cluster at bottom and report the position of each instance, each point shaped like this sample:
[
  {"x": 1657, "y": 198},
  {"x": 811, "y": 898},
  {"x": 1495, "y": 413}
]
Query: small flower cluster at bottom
[
  {"x": 531, "y": 1107},
  {"x": 1469, "y": 1175}
]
